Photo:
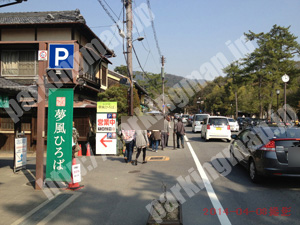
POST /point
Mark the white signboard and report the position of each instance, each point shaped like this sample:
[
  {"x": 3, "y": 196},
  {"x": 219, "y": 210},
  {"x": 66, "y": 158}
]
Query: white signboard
[
  {"x": 76, "y": 173},
  {"x": 106, "y": 122},
  {"x": 106, "y": 143},
  {"x": 20, "y": 152},
  {"x": 42, "y": 56}
]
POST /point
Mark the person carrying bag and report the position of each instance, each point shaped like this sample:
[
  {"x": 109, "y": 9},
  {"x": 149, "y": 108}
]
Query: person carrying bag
[{"x": 142, "y": 143}]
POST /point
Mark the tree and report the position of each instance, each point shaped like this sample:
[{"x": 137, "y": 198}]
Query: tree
[
  {"x": 152, "y": 84},
  {"x": 270, "y": 60},
  {"x": 233, "y": 71},
  {"x": 122, "y": 70},
  {"x": 118, "y": 93}
]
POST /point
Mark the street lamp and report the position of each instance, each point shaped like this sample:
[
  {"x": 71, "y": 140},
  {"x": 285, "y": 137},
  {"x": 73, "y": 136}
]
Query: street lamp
[
  {"x": 277, "y": 92},
  {"x": 285, "y": 78},
  {"x": 198, "y": 102},
  {"x": 139, "y": 39}
]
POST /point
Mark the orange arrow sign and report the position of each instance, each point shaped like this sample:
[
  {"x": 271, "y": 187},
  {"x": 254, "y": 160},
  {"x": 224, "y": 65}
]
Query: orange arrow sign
[{"x": 102, "y": 141}]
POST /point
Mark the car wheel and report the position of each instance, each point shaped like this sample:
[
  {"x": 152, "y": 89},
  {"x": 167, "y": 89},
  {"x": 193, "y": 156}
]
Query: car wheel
[
  {"x": 206, "y": 138},
  {"x": 233, "y": 159},
  {"x": 255, "y": 178},
  {"x": 228, "y": 140}
]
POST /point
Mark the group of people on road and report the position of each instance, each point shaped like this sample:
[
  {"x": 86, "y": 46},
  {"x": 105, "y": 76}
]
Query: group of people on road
[
  {"x": 133, "y": 138},
  {"x": 143, "y": 139}
]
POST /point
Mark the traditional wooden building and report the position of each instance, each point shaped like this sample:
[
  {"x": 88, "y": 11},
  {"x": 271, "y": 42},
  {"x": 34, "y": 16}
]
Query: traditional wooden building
[{"x": 22, "y": 36}]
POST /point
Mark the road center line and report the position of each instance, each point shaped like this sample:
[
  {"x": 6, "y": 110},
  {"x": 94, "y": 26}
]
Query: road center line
[{"x": 210, "y": 191}]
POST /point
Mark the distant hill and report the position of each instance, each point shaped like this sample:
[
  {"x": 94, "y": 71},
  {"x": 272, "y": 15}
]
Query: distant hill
[
  {"x": 171, "y": 79},
  {"x": 175, "y": 79}
]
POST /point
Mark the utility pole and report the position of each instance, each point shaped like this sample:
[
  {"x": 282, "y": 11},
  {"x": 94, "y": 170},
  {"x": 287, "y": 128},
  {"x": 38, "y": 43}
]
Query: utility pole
[
  {"x": 163, "y": 59},
  {"x": 128, "y": 6}
]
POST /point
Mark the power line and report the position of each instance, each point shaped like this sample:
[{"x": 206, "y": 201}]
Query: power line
[
  {"x": 108, "y": 13},
  {"x": 149, "y": 48},
  {"x": 153, "y": 28},
  {"x": 137, "y": 28},
  {"x": 146, "y": 59},
  {"x": 110, "y": 8},
  {"x": 137, "y": 58},
  {"x": 155, "y": 62}
]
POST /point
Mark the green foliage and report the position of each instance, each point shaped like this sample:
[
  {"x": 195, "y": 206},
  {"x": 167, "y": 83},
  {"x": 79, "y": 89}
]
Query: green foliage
[
  {"x": 256, "y": 77},
  {"x": 122, "y": 70},
  {"x": 152, "y": 84},
  {"x": 119, "y": 94}
]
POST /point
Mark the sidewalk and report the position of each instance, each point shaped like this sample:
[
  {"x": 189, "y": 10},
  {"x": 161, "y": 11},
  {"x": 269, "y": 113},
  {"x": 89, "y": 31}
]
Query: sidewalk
[{"x": 114, "y": 192}]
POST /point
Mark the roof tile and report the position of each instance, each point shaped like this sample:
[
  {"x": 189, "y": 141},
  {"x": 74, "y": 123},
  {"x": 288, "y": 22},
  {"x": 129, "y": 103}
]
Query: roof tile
[{"x": 42, "y": 17}]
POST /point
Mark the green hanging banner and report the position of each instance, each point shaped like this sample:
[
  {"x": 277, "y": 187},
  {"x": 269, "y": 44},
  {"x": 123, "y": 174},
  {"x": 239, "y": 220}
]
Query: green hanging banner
[
  {"x": 59, "y": 135},
  {"x": 4, "y": 101}
]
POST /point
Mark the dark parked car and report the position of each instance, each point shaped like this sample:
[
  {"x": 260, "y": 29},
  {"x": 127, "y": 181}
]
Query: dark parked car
[
  {"x": 240, "y": 121},
  {"x": 190, "y": 120},
  {"x": 268, "y": 151}
]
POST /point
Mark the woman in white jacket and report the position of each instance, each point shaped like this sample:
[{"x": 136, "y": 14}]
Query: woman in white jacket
[{"x": 141, "y": 143}]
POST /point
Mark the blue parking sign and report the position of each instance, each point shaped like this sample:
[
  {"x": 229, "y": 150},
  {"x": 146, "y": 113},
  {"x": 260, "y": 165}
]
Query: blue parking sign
[
  {"x": 109, "y": 135},
  {"x": 61, "y": 56}
]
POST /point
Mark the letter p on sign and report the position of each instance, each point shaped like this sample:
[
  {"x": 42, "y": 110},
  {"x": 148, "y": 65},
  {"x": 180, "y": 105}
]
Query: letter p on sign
[{"x": 61, "y": 56}]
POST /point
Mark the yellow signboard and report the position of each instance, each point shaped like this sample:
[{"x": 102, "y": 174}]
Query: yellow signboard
[{"x": 107, "y": 107}]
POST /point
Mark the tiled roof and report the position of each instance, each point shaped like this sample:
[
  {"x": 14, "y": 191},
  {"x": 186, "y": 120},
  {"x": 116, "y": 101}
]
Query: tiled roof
[
  {"x": 42, "y": 17},
  {"x": 10, "y": 86}
]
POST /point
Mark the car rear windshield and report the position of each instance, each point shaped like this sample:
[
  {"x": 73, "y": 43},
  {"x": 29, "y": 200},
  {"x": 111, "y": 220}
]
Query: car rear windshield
[
  {"x": 286, "y": 133},
  {"x": 218, "y": 121},
  {"x": 231, "y": 120},
  {"x": 200, "y": 117},
  {"x": 276, "y": 132}
]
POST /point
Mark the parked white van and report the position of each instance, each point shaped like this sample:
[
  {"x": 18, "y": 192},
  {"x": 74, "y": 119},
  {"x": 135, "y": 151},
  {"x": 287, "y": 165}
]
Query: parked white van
[
  {"x": 198, "y": 121},
  {"x": 216, "y": 127}
]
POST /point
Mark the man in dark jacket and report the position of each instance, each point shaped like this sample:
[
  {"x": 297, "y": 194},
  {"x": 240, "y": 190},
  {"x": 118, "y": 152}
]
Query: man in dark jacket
[{"x": 180, "y": 132}]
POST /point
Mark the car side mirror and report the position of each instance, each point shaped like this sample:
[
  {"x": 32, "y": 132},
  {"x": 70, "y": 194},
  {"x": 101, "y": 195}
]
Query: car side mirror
[{"x": 234, "y": 136}]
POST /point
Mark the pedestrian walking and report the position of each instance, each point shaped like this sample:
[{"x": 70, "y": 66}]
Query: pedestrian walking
[
  {"x": 165, "y": 134},
  {"x": 169, "y": 124},
  {"x": 129, "y": 139},
  {"x": 180, "y": 132},
  {"x": 142, "y": 143},
  {"x": 156, "y": 137}
]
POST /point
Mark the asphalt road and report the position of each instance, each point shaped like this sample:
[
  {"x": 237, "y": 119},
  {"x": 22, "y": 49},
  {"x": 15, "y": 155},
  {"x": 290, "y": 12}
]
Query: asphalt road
[
  {"x": 262, "y": 203},
  {"x": 211, "y": 189}
]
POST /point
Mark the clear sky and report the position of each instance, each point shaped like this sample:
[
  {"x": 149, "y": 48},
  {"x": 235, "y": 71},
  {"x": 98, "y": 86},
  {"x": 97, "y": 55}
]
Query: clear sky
[{"x": 190, "y": 33}]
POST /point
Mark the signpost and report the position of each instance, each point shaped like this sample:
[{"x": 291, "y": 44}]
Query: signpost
[
  {"x": 20, "y": 152},
  {"x": 106, "y": 137},
  {"x": 61, "y": 56},
  {"x": 76, "y": 173},
  {"x": 42, "y": 55},
  {"x": 105, "y": 107},
  {"x": 59, "y": 136}
]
